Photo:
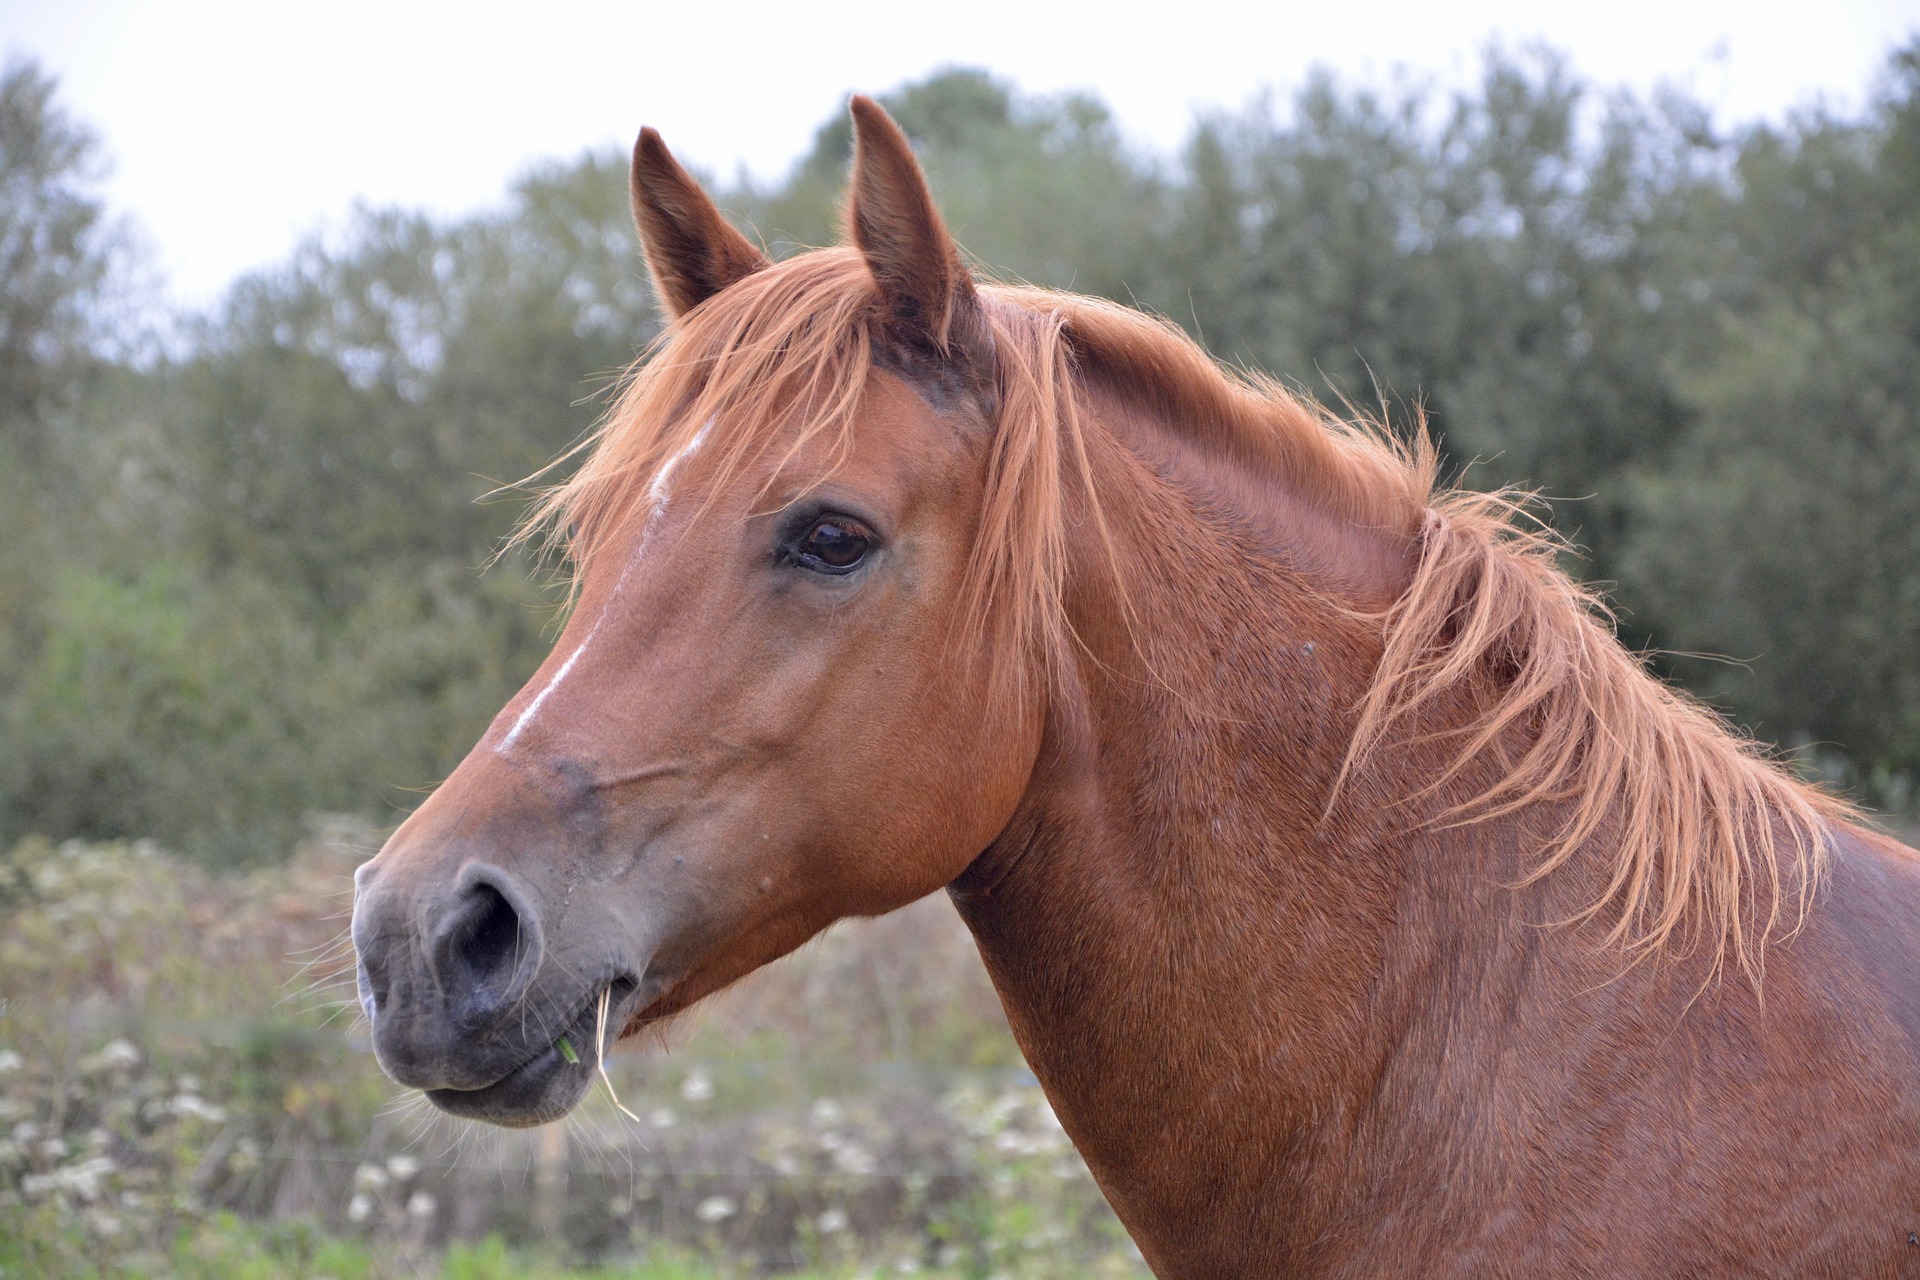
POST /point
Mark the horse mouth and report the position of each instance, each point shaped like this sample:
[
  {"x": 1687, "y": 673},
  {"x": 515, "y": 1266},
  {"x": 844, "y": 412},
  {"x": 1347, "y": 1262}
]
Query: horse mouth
[{"x": 552, "y": 1081}]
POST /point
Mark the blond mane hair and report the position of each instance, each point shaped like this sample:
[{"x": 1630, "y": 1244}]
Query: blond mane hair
[{"x": 1710, "y": 840}]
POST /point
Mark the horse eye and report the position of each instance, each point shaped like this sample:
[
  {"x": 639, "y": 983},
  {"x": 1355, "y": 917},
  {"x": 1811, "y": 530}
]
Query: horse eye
[{"x": 834, "y": 544}]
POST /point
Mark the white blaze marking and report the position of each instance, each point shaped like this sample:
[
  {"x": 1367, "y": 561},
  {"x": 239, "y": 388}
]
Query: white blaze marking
[
  {"x": 658, "y": 492},
  {"x": 526, "y": 717},
  {"x": 663, "y": 478}
]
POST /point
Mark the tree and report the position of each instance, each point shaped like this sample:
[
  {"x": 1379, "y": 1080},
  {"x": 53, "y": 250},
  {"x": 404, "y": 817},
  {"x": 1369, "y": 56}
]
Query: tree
[
  {"x": 55, "y": 259},
  {"x": 54, "y": 253},
  {"x": 1786, "y": 531}
]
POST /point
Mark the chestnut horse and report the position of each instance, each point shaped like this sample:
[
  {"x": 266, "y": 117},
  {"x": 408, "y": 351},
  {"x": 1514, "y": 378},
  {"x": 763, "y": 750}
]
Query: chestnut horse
[{"x": 1362, "y": 905}]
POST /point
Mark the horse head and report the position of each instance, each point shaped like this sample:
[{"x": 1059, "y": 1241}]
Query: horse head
[{"x": 762, "y": 715}]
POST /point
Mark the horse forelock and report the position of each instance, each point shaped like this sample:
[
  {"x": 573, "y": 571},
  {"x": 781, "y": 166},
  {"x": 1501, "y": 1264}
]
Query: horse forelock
[{"x": 1708, "y": 838}]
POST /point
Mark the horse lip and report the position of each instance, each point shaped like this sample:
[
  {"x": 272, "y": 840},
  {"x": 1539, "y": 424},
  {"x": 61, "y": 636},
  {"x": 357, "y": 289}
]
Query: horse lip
[{"x": 545, "y": 1086}]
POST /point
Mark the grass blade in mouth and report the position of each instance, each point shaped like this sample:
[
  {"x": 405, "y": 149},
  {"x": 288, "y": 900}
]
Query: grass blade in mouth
[
  {"x": 600, "y": 1051},
  {"x": 566, "y": 1049}
]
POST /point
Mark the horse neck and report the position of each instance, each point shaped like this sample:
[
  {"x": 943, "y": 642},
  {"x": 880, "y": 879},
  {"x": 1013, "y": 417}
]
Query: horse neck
[{"x": 1181, "y": 935}]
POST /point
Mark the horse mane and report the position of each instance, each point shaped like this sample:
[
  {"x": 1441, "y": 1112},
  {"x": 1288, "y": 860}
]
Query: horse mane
[{"x": 1709, "y": 837}]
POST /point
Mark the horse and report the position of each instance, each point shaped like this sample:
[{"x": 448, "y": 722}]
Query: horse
[{"x": 1362, "y": 905}]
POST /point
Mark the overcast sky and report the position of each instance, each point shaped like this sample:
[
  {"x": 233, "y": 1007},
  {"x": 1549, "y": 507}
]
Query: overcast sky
[{"x": 236, "y": 128}]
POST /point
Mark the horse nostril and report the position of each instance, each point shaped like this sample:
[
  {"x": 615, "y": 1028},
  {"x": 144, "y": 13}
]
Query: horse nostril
[{"x": 481, "y": 949}]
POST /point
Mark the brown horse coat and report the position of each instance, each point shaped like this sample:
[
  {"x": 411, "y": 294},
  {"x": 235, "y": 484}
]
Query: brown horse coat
[{"x": 1363, "y": 908}]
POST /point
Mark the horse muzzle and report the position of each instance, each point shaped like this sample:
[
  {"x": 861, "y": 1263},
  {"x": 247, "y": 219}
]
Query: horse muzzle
[{"x": 467, "y": 1004}]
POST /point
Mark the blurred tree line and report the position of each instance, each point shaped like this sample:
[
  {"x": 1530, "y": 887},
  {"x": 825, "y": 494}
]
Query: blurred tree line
[{"x": 240, "y": 572}]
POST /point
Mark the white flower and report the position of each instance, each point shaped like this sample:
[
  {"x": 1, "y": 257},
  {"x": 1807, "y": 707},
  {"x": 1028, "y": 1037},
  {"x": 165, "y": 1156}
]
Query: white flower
[
  {"x": 831, "y": 1221},
  {"x": 82, "y": 1179},
  {"x": 116, "y": 1055},
  {"x": 855, "y": 1159},
  {"x": 827, "y": 1112},
  {"x": 660, "y": 1118},
  {"x": 360, "y": 1208},
  {"x": 402, "y": 1167},
  {"x": 369, "y": 1177},
  {"x": 10, "y": 1061},
  {"x": 186, "y": 1104},
  {"x": 420, "y": 1205},
  {"x": 697, "y": 1087},
  {"x": 715, "y": 1209}
]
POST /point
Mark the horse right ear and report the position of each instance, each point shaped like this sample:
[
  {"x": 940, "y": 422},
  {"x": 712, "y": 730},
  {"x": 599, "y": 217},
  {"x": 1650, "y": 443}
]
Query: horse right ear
[
  {"x": 692, "y": 251},
  {"x": 925, "y": 287}
]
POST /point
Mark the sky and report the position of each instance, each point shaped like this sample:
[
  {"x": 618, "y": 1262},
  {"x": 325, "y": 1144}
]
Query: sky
[{"x": 236, "y": 129}]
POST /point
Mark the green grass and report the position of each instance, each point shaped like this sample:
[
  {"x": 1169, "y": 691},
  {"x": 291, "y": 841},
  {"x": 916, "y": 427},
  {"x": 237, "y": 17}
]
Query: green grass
[{"x": 184, "y": 1093}]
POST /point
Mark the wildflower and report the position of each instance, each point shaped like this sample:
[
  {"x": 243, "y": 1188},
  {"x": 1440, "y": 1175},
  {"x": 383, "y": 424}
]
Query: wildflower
[
  {"x": 832, "y": 1220},
  {"x": 369, "y": 1177},
  {"x": 697, "y": 1087},
  {"x": 402, "y": 1167},
  {"x": 10, "y": 1061},
  {"x": 116, "y": 1055},
  {"x": 82, "y": 1180},
  {"x": 420, "y": 1205},
  {"x": 855, "y": 1159},
  {"x": 186, "y": 1104},
  {"x": 360, "y": 1208},
  {"x": 715, "y": 1209}
]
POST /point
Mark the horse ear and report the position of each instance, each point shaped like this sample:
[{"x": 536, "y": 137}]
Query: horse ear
[
  {"x": 692, "y": 251},
  {"x": 926, "y": 288}
]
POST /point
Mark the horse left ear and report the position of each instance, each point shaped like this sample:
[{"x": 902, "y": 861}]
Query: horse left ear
[
  {"x": 926, "y": 288},
  {"x": 692, "y": 250}
]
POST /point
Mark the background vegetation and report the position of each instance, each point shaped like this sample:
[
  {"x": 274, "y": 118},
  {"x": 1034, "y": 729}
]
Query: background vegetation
[
  {"x": 240, "y": 584},
  {"x": 241, "y": 574},
  {"x": 166, "y": 1112}
]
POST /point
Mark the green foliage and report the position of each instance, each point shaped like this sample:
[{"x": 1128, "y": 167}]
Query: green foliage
[
  {"x": 183, "y": 1093},
  {"x": 243, "y": 583},
  {"x": 53, "y": 254},
  {"x": 1042, "y": 190},
  {"x": 1786, "y": 531},
  {"x": 1496, "y": 259}
]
